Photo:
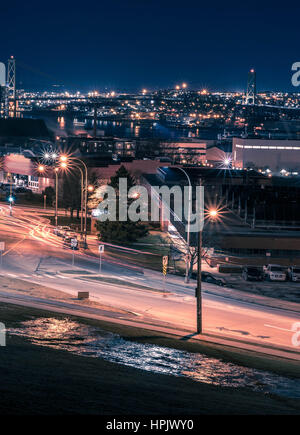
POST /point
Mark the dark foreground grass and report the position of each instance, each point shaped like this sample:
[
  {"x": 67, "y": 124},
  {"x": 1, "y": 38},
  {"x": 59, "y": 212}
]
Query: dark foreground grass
[{"x": 39, "y": 380}]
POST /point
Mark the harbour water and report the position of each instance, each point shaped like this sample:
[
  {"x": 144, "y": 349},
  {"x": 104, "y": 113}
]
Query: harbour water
[{"x": 70, "y": 125}]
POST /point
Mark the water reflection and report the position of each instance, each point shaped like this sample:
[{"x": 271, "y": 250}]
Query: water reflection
[
  {"x": 83, "y": 340},
  {"x": 71, "y": 125}
]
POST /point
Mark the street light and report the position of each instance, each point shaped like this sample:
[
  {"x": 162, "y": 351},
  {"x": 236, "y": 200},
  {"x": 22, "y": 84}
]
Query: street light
[
  {"x": 213, "y": 214},
  {"x": 188, "y": 230},
  {"x": 64, "y": 159},
  {"x": 56, "y": 194},
  {"x": 41, "y": 169},
  {"x": 64, "y": 165}
]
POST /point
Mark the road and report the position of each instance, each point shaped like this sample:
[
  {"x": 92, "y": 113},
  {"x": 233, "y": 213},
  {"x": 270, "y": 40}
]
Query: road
[{"x": 34, "y": 254}]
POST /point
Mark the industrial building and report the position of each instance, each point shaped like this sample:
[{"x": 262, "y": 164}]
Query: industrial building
[
  {"x": 266, "y": 153},
  {"x": 188, "y": 151},
  {"x": 106, "y": 147},
  {"x": 241, "y": 234}
]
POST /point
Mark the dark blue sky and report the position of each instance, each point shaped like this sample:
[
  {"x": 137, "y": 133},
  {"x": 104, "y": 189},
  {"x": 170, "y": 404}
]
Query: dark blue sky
[{"x": 131, "y": 44}]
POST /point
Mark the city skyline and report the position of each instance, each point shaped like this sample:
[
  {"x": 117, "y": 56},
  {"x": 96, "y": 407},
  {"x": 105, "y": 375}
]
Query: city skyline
[
  {"x": 149, "y": 211},
  {"x": 136, "y": 45}
]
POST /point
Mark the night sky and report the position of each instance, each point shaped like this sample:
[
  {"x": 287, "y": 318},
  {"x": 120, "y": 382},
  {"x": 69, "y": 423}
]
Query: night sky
[{"x": 131, "y": 44}]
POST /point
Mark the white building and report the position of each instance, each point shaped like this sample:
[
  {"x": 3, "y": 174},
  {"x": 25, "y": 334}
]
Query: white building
[{"x": 272, "y": 153}]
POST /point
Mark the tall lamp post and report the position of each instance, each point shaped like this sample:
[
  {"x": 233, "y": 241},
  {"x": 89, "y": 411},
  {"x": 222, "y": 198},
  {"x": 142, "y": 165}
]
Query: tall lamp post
[
  {"x": 11, "y": 198},
  {"x": 84, "y": 188},
  {"x": 56, "y": 194},
  {"x": 212, "y": 214},
  {"x": 187, "y": 264},
  {"x": 41, "y": 169}
]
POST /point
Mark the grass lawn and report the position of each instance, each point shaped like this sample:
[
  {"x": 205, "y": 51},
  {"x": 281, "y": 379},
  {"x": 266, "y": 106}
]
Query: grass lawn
[{"x": 154, "y": 243}]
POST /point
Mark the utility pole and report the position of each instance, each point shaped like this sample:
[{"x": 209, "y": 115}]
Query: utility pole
[
  {"x": 199, "y": 281},
  {"x": 254, "y": 217},
  {"x": 56, "y": 194},
  {"x": 199, "y": 285}
]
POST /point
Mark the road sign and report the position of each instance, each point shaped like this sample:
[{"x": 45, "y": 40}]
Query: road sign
[
  {"x": 2, "y": 248},
  {"x": 165, "y": 260},
  {"x": 74, "y": 243},
  {"x": 101, "y": 250}
]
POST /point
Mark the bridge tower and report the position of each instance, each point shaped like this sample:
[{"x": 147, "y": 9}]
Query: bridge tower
[
  {"x": 251, "y": 88},
  {"x": 11, "y": 87},
  {"x": 2, "y": 90}
]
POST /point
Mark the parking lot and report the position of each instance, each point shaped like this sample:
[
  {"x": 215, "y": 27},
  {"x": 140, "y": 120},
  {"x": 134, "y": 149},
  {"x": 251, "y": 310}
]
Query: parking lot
[{"x": 286, "y": 290}]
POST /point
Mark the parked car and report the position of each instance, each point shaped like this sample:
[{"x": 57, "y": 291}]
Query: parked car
[
  {"x": 60, "y": 231},
  {"x": 22, "y": 190},
  {"x": 275, "y": 272},
  {"x": 210, "y": 278},
  {"x": 70, "y": 233},
  {"x": 294, "y": 273},
  {"x": 252, "y": 273}
]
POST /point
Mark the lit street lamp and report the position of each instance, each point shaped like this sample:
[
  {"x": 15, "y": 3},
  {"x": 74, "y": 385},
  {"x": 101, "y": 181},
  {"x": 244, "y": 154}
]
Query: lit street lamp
[
  {"x": 41, "y": 169},
  {"x": 64, "y": 159},
  {"x": 212, "y": 214},
  {"x": 11, "y": 198},
  {"x": 187, "y": 261}
]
